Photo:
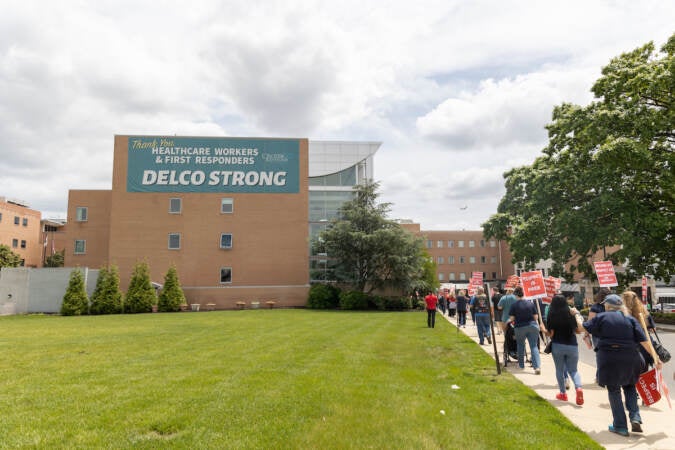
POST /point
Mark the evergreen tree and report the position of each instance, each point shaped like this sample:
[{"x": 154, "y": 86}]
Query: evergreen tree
[
  {"x": 113, "y": 293},
  {"x": 107, "y": 298},
  {"x": 172, "y": 294},
  {"x": 97, "y": 299},
  {"x": 140, "y": 295},
  {"x": 369, "y": 251},
  {"x": 75, "y": 301}
]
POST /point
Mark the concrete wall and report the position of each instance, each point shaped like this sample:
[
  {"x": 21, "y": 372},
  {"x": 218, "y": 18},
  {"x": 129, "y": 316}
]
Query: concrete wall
[{"x": 25, "y": 290}]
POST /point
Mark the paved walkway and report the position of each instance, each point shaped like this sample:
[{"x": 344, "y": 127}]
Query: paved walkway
[{"x": 594, "y": 416}]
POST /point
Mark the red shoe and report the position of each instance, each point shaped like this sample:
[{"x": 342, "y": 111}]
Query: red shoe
[
  {"x": 580, "y": 396},
  {"x": 561, "y": 396}
]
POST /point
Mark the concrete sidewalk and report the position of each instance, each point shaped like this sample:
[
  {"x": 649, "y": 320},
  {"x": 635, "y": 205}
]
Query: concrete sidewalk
[{"x": 595, "y": 415}]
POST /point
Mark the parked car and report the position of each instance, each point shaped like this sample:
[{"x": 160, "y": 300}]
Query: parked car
[{"x": 666, "y": 307}]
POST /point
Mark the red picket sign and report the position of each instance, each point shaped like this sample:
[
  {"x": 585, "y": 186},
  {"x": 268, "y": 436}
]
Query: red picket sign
[
  {"x": 605, "y": 272},
  {"x": 512, "y": 281},
  {"x": 533, "y": 284},
  {"x": 648, "y": 387}
]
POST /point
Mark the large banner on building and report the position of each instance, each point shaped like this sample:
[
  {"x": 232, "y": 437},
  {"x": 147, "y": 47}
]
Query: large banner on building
[{"x": 229, "y": 165}]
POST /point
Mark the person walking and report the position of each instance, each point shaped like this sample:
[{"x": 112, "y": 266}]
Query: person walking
[
  {"x": 563, "y": 324},
  {"x": 441, "y": 303},
  {"x": 596, "y": 308},
  {"x": 496, "y": 296},
  {"x": 619, "y": 361},
  {"x": 462, "y": 303},
  {"x": 504, "y": 306},
  {"x": 481, "y": 306},
  {"x": 526, "y": 327},
  {"x": 431, "y": 301},
  {"x": 636, "y": 308},
  {"x": 452, "y": 304}
]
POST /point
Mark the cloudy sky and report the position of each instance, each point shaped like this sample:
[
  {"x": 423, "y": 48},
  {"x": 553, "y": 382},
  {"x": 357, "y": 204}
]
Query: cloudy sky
[{"x": 457, "y": 91}]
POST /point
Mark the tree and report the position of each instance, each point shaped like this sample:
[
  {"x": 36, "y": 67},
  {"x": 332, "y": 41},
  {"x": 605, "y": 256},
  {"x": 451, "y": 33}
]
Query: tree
[
  {"x": 56, "y": 259},
  {"x": 606, "y": 178},
  {"x": 141, "y": 295},
  {"x": 8, "y": 258},
  {"x": 107, "y": 297},
  {"x": 172, "y": 294},
  {"x": 427, "y": 281},
  {"x": 369, "y": 251},
  {"x": 75, "y": 301}
]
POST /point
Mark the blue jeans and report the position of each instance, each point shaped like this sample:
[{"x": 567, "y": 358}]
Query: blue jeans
[
  {"x": 461, "y": 317},
  {"x": 614, "y": 394},
  {"x": 531, "y": 333},
  {"x": 483, "y": 323},
  {"x": 566, "y": 358}
]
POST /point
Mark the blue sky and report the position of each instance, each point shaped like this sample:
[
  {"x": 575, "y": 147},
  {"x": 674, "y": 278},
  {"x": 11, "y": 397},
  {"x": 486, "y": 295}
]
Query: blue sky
[{"x": 458, "y": 92}]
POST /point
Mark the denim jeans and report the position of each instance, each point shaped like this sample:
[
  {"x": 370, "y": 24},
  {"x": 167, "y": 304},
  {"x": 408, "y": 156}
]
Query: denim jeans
[
  {"x": 566, "y": 359},
  {"x": 483, "y": 323},
  {"x": 614, "y": 394},
  {"x": 462, "y": 317},
  {"x": 531, "y": 333}
]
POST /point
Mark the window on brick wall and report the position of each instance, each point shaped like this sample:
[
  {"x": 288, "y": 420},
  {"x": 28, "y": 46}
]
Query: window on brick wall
[{"x": 80, "y": 246}]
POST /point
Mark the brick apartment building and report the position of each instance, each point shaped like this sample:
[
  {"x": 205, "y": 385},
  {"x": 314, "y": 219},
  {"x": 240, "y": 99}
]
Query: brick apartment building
[
  {"x": 458, "y": 254},
  {"x": 20, "y": 231}
]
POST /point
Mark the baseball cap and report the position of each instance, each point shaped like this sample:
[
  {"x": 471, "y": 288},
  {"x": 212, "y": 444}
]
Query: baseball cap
[{"x": 613, "y": 299}]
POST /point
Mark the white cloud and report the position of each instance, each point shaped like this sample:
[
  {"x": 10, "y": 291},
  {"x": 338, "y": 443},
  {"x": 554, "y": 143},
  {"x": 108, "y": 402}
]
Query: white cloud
[
  {"x": 504, "y": 112},
  {"x": 457, "y": 91}
]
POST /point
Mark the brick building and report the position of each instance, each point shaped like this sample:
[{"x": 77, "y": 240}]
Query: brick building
[
  {"x": 232, "y": 214},
  {"x": 20, "y": 231}
]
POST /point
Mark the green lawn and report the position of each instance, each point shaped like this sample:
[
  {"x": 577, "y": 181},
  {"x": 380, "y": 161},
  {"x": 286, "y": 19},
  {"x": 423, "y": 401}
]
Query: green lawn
[{"x": 262, "y": 379}]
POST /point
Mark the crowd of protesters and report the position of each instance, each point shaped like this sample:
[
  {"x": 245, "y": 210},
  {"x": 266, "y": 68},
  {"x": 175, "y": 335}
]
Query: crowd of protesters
[{"x": 617, "y": 328}]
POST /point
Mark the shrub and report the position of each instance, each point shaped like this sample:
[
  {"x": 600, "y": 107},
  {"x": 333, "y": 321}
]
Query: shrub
[
  {"x": 394, "y": 303},
  {"x": 55, "y": 260},
  {"x": 172, "y": 295},
  {"x": 75, "y": 301},
  {"x": 140, "y": 295},
  {"x": 660, "y": 317},
  {"x": 107, "y": 297},
  {"x": 323, "y": 296},
  {"x": 354, "y": 300}
]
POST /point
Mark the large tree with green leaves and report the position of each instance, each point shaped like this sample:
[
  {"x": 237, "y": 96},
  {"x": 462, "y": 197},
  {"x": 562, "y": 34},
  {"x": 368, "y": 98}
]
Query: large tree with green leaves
[
  {"x": 606, "y": 179},
  {"x": 8, "y": 258},
  {"x": 370, "y": 251}
]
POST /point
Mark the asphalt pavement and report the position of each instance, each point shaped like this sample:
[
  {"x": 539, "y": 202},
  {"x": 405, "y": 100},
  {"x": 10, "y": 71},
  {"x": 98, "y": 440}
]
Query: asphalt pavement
[{"x": 595, "y": 415}]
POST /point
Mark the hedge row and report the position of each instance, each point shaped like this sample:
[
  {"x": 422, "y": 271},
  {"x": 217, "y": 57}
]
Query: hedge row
[{"x": 327, "y": 296}]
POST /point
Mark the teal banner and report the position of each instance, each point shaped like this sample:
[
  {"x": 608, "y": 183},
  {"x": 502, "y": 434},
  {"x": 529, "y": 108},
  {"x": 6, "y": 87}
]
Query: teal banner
[{"x": 228, "y": 165}]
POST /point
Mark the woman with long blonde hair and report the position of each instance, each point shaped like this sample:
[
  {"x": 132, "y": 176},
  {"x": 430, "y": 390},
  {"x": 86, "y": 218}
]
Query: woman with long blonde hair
[{"x": 636, "y": 308}]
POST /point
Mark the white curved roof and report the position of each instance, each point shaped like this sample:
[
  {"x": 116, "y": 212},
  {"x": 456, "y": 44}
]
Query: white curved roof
[{"x": 327, "y": 157}]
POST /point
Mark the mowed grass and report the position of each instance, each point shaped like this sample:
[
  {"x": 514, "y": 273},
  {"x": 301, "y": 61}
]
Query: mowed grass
[{"x": 262, "y": 379}]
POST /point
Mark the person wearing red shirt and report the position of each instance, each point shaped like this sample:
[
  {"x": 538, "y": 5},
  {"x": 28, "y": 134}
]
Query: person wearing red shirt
[{"x": 431, "y": 301}]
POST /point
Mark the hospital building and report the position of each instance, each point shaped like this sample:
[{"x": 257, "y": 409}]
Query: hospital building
[{"x": 235, "y": 216}]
